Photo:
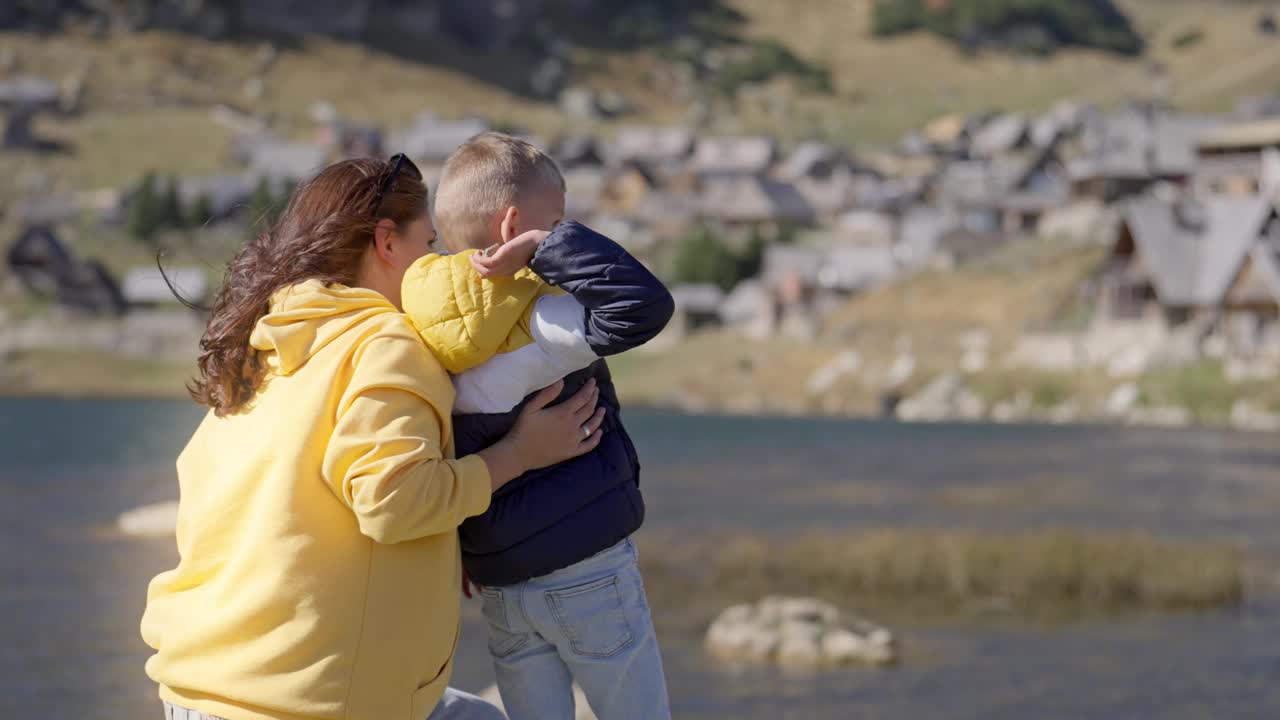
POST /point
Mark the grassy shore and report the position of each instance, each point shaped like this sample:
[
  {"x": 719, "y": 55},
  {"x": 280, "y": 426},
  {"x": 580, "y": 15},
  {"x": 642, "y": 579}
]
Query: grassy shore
[{"x": 1051, "y": 573}]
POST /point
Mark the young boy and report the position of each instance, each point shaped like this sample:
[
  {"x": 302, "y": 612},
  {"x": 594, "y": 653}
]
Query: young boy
[{"x": 553, "y": 556}]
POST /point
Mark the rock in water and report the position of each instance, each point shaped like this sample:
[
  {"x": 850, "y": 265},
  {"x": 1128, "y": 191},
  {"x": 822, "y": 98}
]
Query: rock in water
[
  {"x": 150, "y": 521},
  {"x": 797, "y": 633}
]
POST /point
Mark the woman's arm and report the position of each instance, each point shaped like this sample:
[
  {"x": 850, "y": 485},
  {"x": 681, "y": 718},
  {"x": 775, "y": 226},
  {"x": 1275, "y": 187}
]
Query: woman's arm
[{"x": 386, "y": 459}]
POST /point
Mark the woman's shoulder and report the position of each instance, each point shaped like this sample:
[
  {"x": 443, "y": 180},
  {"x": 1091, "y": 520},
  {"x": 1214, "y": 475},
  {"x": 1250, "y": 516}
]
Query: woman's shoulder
[{"x": 389, "y": 343}]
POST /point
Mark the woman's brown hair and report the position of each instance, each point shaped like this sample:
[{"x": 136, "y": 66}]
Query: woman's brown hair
[{"x": 322, "y": 235}]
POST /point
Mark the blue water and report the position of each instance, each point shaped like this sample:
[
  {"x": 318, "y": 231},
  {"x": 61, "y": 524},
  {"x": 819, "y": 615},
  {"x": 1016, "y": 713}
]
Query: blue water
[{"x": 73, "y": 589}]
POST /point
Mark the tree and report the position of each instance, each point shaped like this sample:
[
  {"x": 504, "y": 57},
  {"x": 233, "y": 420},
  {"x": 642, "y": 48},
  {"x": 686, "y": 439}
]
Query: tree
[
  {"x": 1034, "y": 26},
  {"x": 262, "y": 206},
  {"x": 703, "y": 258},
  {"x": 171, "y": 212},
  {"x": 144, "y": 218},
  {"x": 201, "y": 211}
]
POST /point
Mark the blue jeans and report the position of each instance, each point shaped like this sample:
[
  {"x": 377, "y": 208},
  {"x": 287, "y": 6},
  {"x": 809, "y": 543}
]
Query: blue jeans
[
  {"x": 455, "y": 705},
  {"x": 588, "y": 623}
]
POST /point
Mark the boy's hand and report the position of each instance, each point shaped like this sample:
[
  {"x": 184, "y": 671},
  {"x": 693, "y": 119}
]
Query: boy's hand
[
  {"x": 509, "y": 258},
  {"x": 467, "y": 585}
]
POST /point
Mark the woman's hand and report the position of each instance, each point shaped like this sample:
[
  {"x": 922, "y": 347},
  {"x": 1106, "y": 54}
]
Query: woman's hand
[
  {"x": 545, "y": 436},
  {"x": 507, "y": 259}
]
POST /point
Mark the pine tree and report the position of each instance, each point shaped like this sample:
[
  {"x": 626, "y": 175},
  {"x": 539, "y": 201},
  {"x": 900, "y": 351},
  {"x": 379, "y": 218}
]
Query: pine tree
[
  {"x": 171, "y": 212},
  {"x": 144, "y": 220},
  {"x": 201, "y": 211},
  {"x": 261, "y": 207}
]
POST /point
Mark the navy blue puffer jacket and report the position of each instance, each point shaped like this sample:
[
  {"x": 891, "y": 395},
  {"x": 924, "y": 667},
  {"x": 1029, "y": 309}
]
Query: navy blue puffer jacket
[{"x": 549, "y": 519}]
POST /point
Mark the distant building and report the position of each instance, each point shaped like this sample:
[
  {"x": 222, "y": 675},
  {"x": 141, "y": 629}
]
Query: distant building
[
  {"x": 1231, "y": 157},
  {"x": 750, "y": 155},
  {"x": 1195, "y": 260},
  {"x": 430, "y": 140},
  {"x": 657, "y": 147},
  {"x": 754, "y": 201}
]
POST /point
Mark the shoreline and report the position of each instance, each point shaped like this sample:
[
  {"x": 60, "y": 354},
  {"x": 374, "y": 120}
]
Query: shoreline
[{"x": 166, "y": 394}]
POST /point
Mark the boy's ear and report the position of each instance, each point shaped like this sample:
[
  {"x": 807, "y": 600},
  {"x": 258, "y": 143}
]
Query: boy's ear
[{"x": 510, "y": 225}]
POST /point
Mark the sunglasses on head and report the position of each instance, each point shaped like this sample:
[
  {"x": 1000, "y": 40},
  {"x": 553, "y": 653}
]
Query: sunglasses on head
[{"x": 398, "y": 162}]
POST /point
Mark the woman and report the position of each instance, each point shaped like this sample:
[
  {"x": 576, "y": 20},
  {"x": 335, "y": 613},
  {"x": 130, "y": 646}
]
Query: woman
[{"x": 320, "y": 573}]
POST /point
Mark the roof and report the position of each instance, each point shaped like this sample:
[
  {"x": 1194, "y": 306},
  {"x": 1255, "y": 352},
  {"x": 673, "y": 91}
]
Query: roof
[
  {"x": 855, "y": 268},
  {"x": 728, "y": 154},
  {"x": 1001, "y": 134},
  {"x": 808, "y": 159},
  {"x": 29, "y": 91},
  {"x": 1175, "y": 136},
  {"x": 748, "y": 198},
  {"x": 946, "y": 130},
  {"x": 781, "y": 261},
  {"x": 1242, "y": 136},
  {"x": 1193, "y": 250},
  {"x": 651, "y": 143},
  {"x": 428, "y": 139}
]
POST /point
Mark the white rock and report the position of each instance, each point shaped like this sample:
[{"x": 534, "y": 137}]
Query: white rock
[
  {"x": 1121, "y": 400},
  {"x": 843, "y": 646},
  {"x": 1247, "y": 415},
  {"x": 796, "y": 633},
  {"x": 150, "y": 521},
  {"x": 800, "y": 652},
  {"x": 808, "y": 610}
]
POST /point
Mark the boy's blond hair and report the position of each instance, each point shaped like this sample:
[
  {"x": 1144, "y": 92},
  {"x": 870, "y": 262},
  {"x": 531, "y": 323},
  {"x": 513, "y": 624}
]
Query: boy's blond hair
[{"x": 486, "y": 175}]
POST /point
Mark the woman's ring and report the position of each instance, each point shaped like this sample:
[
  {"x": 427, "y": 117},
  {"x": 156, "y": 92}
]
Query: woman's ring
[{"x": 586, "y": 431}]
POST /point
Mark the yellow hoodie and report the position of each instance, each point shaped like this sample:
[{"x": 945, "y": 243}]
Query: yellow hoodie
[{"x": 320, "y": 571}]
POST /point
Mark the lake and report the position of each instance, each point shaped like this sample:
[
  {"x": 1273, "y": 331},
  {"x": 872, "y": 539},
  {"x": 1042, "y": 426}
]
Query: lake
[{"x": 73, "y": 587}]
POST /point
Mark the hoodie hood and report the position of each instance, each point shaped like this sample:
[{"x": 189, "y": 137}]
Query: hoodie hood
[{"x": 304, "y": 318}]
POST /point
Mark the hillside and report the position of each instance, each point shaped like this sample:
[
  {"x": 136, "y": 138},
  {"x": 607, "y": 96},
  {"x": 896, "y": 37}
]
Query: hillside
[{"x": 148, "y": 95}]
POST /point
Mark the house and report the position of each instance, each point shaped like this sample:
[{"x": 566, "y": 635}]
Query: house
[
  {"x": 572, "y": 151},
  {"x": 749, "y": 200},
  {"x": 584, "y": 189},
  {"x": 812, "y": 161},
  {"x": 1194, "y": 260},
  {"x": 224, "y": 195},
  {"x": 282, "y": 161},
  {"x": 751, "y": 310},
  {"x": 1001, "y": 134},
  {"x": 627, "y": 186},
  {"x": 1231, "y": 157},
  {"x": 1126, "y": 151},
  {"x": 48, "y": 269},
  {"x": 149, "y": 287},
  {"x": 429, "y": 140},
  {"x": 849, "y": 269},
  {"x": 23, "y": 99},
  {"x": 656, "y": 147},
  {"x": 863, "y": 227},
  {"x": 724, "y": 155},
  {"x": 697, "y": 306}
]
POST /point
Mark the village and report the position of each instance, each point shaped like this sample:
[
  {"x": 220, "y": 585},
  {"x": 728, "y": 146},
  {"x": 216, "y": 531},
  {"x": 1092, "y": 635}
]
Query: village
[{"x": 765, "y": 240}]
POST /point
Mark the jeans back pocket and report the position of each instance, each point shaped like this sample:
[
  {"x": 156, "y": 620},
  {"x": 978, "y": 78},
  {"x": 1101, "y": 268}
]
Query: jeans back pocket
[
  {"x": 593, "y": 617},
  {"x": 502, "y": 642}
]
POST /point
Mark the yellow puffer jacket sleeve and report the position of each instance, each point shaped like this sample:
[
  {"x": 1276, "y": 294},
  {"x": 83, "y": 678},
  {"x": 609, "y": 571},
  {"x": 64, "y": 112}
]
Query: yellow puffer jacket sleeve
[{"x": 463, "y": 318}]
